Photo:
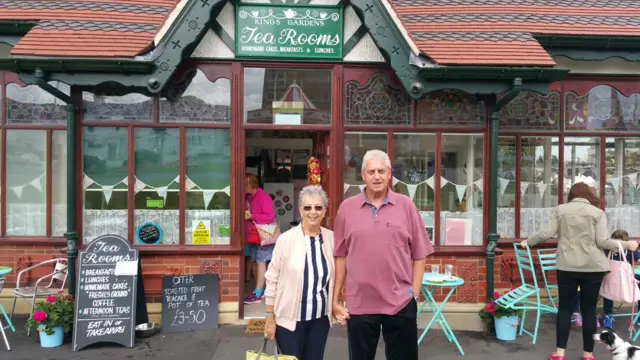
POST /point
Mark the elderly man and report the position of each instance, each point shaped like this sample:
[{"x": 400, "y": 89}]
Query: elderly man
[{"x": 381, "y": 246}]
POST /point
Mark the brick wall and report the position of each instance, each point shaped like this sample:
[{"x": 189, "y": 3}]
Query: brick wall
[{"x": 20, "y": 257}]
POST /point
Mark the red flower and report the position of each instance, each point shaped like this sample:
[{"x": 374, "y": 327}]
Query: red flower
[
  {"x": 492, "y": 311},
  {"x": 39, "y": 316},
  {"x": 496, "y": 295},
  {"x": 51, "y": 299}
]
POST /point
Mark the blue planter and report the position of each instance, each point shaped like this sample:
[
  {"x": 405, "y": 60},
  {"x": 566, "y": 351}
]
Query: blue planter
[
  {"x": 506, "y": 327},
  {"x": 54, "y": 340}
]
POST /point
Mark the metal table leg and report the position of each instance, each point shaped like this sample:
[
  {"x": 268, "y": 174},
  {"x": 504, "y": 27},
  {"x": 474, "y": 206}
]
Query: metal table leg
[{"x": 427, "y": 292}]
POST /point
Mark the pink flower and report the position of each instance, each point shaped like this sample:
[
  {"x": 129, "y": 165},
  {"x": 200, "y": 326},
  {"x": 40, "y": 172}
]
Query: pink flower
[
  {"x": 39, "y": 316},
  {"x": 51, "y": 299},
  {"x": 496, "y": 295},
  {"x": 492, "y": 303},
  {"x": 492, "y": 311}
]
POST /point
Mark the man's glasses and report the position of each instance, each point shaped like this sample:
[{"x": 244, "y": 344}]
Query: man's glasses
[{"x": 317, "y": 208}]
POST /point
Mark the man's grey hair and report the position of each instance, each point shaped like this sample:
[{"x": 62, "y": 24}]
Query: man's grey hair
[
  {"x": 313, "y": 191},
  {"x": 376, "y": 154}
]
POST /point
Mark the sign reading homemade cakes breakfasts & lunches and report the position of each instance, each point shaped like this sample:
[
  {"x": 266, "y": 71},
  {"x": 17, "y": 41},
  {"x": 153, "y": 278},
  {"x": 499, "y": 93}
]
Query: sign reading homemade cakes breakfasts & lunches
[
  {"x": 105, "y": 306},
  {"x": 289, "y": 31},
  {"x": 190, "y": 302}
]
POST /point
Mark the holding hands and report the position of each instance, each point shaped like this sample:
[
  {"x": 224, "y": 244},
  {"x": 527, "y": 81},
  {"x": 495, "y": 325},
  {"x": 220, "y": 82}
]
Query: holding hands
[{"x": 341, "y": 314}]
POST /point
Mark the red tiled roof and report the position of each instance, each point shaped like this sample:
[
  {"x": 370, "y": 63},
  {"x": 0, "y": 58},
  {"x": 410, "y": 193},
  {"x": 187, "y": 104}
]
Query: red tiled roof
[
  {"x": 87, "y": 28},
  {"x": 501, "y": 32}
]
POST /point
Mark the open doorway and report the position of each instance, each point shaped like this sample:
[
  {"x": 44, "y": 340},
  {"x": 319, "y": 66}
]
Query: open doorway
[{"x": 279, "y": 160}]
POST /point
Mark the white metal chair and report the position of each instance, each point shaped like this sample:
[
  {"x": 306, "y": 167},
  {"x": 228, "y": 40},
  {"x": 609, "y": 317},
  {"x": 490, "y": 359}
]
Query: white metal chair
[{"x": 29, "y": 294}]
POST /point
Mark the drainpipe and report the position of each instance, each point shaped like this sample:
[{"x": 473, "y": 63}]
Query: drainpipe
[
  {"x": 493, "y": 235},
  {"x": 71, "y": 235}
]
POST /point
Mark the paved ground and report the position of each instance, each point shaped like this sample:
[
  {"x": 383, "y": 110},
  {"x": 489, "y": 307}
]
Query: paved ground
[{"x": 230, "y": 343}]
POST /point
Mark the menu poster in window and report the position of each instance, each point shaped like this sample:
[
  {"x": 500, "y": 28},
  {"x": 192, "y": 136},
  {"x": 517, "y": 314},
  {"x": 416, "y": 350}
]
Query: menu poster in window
[
  {"x": 282, "y": 196},
  {"x": 190, "y": 302},
  {"x": 105, "y": 305}
]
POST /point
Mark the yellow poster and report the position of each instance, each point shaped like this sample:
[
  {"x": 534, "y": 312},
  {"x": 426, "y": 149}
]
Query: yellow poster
[{"x": 201, "y": 232}]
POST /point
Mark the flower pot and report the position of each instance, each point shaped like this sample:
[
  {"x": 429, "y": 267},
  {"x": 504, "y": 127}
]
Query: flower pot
[
  {"x": 506, "y": 327},
  {"x": 54, "y": 340}
]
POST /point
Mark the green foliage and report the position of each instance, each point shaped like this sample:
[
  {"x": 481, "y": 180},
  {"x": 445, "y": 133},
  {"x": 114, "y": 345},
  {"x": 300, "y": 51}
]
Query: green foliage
[
  {"x": 55, "y": 311},
  {"x": 493, "y": 311}
]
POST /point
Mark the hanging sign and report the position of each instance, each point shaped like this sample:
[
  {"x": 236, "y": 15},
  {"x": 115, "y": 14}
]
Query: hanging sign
[{"x": 289, "y": 31}]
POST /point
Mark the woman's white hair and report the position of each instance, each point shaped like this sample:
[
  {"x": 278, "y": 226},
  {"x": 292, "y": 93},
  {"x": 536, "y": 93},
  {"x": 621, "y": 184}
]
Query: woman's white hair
[
  {"x": 313, "y": 191},
  {"x": 376, "y": 154}
]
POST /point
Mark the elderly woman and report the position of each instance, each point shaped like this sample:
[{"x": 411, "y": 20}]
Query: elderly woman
[
  {"x": 300, "y": 282},
  {"x": 581, "y": 228}
]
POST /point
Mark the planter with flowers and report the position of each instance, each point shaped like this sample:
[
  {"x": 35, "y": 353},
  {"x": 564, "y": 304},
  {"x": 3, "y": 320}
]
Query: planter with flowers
[
  {"x": 53, "y": 318},
  {"x": 502, "y": 321}
]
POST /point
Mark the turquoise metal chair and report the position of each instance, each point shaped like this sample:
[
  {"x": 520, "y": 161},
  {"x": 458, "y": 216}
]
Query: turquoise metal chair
[
  {"x": 9, "y": 325},
  {"x": 519, "y": 298},
  {"x": 547, "y": 259}
]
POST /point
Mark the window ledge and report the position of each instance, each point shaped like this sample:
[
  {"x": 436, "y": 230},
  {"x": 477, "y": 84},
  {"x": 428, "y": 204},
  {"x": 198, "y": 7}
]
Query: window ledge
[
  {"x": 510, "y": 241},
  {"x": 463, "y": 250},
  {"x": 33, "y": 240},
  {"x": 188, "y": 249}
]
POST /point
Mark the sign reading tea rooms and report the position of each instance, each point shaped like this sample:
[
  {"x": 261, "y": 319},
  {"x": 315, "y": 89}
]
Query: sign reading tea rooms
[{"x": 313, "y": 32}]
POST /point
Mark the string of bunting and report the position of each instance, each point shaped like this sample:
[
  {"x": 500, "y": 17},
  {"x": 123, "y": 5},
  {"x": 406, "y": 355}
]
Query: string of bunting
[
  {"x": 616, "y": 183},
  {"x": 138, "y": 186},
  {"x": 35, "y": 183}
]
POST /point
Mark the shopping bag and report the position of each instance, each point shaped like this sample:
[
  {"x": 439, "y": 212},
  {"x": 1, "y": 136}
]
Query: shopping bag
[
  {"x": 267, "y": 233},
  {"x": 262, "y": 355},
  {"x": 620, "y": 284}
]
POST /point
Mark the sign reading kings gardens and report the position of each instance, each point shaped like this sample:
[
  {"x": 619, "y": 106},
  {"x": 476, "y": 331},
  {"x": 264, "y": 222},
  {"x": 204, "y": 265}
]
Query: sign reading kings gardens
[{"x": 289, "y": 32}]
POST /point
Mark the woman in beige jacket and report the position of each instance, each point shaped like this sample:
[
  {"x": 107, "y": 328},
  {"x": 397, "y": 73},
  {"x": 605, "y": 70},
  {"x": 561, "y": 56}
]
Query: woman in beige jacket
[
  {"x": 582, "y": 233},
  {"x": 300, "y": 282}
]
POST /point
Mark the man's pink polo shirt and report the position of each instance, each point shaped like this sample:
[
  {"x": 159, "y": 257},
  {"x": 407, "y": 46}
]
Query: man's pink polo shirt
[{"x": 380, "y": 246}]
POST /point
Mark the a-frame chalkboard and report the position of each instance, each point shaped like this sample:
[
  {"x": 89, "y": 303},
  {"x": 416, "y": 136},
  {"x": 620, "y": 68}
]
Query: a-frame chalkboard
[{"x": 105, "y": 304}]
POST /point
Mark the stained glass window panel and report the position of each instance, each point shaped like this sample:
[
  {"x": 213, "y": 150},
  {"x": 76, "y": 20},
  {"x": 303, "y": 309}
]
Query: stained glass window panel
[
  {"x": 603, "y": 108},
  {"x": 378, "y": 102},
  {"x": 202, "y": 102},
  {"x": 451, "y": 108},
  {"x": 531, "y": 111},
  {"x": 30, "y": 105},
  {"x": 130, "y": 107}
]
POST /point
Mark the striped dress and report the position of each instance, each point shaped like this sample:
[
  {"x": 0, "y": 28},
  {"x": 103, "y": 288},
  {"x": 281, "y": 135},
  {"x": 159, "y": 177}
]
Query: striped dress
[{"x": 315, "y": 286}]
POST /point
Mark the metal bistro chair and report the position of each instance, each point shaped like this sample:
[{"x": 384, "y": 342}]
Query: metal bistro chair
[
  {"x": 6, "y": 318},
  {"x": 518, "y": 298},
  {"x": 547, "y": 258},
  {"x": 30, "y": 294}
]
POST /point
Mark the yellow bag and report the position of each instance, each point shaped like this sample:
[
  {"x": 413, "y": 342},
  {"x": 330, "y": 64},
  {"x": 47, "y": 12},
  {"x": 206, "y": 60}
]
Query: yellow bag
[{"x": 261, "y": 355}]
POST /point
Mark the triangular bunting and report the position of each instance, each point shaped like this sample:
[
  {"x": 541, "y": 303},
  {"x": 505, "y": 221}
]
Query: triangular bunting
[
  {"x": 207, "y": 196},
  {"x": 36, "y": 184},
  {"x": 443, "y": 182},
  {"x": 162, "y": 191},
  {"x": 125, "y": 181},
  {"x": 615, "y": 182},
  {"x": 431, "y": 182},
  {"x": 394, "y": 181},
  {"x": 362, "y": 187},
  {"x": 177, "y": 179},
  {"x": 412, "y": 190},
  {"x": 346, "y": 188},
  {"x": 18, "y": 190},
  {"x": 107, "y": 190},
  {"x": 138, "y": 186},
  {"x": 227, "y": 190},
  {"x": 461, "y": 190},
  {"x": 188, "y": 184},
  {"x": 479, "y": 184},
  {"x": 524, "y": 186},
  {"x": 542, "y": 188},
  {"x": 502, "y": 183},
  {"x": 633, "y": 178},
  {"x": 86, "y": 182}
]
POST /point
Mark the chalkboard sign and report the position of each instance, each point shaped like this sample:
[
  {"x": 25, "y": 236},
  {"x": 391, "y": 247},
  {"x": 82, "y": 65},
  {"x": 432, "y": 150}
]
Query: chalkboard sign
[
  {"x": 149, "y": 233},
  {"x": 105, "y": 304},
  {"x": 189, "y": 302}
]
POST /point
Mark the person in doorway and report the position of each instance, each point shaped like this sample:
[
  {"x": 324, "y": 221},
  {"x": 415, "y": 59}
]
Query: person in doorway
[
  {"x": 259, "y": 210},
  {"x": 300, "y": 282},
  {"x": 381, "y": 245},
  {"x": 581, "y": 228},
  {"x": 607, "y": 305}
]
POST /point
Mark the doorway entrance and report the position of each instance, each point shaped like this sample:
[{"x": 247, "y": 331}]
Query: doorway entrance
[{"x": 279, "y": 160}]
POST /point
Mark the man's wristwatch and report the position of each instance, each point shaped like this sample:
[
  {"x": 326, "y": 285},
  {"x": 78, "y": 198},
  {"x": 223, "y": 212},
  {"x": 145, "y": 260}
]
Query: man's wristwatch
[{"x": 417, "y": 298}]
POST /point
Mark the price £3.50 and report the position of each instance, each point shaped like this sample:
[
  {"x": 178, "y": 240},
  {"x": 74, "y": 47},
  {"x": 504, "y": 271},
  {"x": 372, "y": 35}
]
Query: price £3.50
[{"x": 192, "y": 317}]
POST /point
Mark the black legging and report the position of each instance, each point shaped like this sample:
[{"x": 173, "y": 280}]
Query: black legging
[{"x": 568, "y": 282}]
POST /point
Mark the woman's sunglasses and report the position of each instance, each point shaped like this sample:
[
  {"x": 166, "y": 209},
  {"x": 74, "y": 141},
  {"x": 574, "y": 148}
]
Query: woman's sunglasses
[{"x": 317, "y": 208}]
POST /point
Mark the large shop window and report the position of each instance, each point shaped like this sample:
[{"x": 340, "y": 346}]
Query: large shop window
[
  {"x": 507, "y": 165},
  {"x": 35, "y": 166},
  {"x": 355, "y": 146},
  {"x": 164, "y": 175},
  {"x": 287, "y": 96},
  {"x": 622, "y": 193}
]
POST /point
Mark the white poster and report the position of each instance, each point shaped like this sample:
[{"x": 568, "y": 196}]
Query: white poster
[{"x": 283, "y": 202}]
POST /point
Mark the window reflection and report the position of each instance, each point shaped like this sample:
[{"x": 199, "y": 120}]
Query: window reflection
[
  {"x": 287, "y": 96},
  {"x": 355, "y": 146},
  {"x": 621, "y": 190}
]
